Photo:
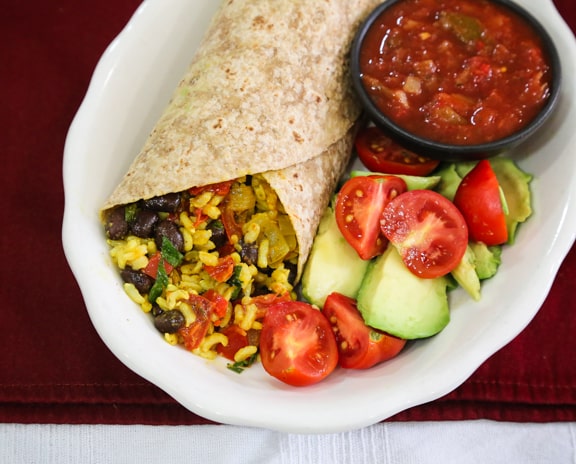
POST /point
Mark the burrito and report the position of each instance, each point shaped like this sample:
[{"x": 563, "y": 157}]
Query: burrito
[{"x": 216, "y": 216}]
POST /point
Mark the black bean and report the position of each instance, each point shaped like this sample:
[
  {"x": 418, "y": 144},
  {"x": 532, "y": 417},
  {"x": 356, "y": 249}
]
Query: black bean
[
  {"x": 218, "y": 237},
  {"x": 249, "y": 252},
  {"x": 169, "y": 321},
  {"x": 144, "y": 222},
  {"x": 156, "y": 310},
  {"x": 141, "y": 281},
  {"x": 168, "y": 229},
  {"x": 116, "y": 225},
  {"x": 168, "y": 203}
]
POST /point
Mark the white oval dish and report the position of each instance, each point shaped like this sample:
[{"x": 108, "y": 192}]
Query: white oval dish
[{"x": 128, "y": 91}]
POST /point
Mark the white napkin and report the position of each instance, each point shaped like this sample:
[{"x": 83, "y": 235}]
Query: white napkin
[{"x": 393, "y": 442}]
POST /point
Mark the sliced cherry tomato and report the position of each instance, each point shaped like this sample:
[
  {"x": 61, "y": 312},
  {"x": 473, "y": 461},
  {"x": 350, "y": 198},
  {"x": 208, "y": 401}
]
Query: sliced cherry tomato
[
  {"x": 223, "y": 270},
  {"x": 358, "y": 209},
  {"x": 151, "y": 268},
  {"x": 263, "y": 302},
  {"x": 359, "y": 346},
  {"x": 428, "y": 231},
  {"x": 297, "y": 345},
  {"x": 237, "y": 338},
  {"x": 194, "y": 333},
  {"x": 379, "y": 153},
  {"x": 478, "y": 199}
]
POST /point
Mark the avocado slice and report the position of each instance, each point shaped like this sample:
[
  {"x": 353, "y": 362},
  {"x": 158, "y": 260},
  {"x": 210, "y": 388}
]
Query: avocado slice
[
  {"x": 515, "y": 185},
  {"x": 466, "y": 276},
  {"x": 395, "y": 300},
  {"x": 412, "y": 182},
  {"x": 464, "y": 167},
  {"x": 449, "y": 180},
  {"x": 333, "y": 265},
  {"x": 480, "y": 262},
  {"x": 487, "y": 259}
]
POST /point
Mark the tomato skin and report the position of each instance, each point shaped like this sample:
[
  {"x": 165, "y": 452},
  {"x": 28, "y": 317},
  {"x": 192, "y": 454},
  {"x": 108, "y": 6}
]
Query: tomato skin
[
  {"x": 359, "y": 346},
  {"x": 151, "y": 268},
  {"x": 223, "y": 270},
  {"x": 297, "y": 345},
  {"x": 428, "y": 231},
  {"x": 228, "y": 219},
  {"x": 194, "y": 333},
  {"x": 220, "y": 188},
  {"x": 358, "y": 209},
  {"x": 237, "y": 338},
  {"x": 219, "y": 305},
  {"x": 379, "y": 153},
  {"x": 478, "y": 199}
]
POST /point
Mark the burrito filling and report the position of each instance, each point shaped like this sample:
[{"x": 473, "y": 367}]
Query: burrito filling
[{"x": 206, "y": 262}]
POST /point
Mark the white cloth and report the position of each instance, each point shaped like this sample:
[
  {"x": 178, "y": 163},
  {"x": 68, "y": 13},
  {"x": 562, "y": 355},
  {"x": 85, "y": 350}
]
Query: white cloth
[{"x": 387, "y": 443}]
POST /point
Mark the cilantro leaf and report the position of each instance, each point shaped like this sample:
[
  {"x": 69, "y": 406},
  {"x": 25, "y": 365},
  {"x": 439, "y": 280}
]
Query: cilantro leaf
[
  {"x": 234, "y": 281},
  {"x": 240, "y": 366},
  {"x": 160, "y": 284},
  {"x": 170, "y": 253}
]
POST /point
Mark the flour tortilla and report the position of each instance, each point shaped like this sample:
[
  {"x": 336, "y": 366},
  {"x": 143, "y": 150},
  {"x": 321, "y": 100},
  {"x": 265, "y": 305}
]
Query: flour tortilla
[{"x": 268, "y": 91}]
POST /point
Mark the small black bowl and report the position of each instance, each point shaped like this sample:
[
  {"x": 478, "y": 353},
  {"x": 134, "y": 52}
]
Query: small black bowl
[{"x": 447, "y": 151}]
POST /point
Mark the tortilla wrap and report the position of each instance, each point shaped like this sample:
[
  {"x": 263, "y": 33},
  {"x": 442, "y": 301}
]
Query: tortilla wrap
[{"x": 268, "y": 91}]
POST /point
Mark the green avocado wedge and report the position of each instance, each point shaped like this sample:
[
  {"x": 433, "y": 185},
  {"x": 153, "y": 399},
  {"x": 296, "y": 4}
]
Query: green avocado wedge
[
  {"x": 333, "y": 265},
  {"x": 412, "y": 182},
  {"x": 515, "y": 185},
  {"x": 487, "y": 259},
  {"x": 466, "y": 275},
  {"x": 393, "y": 299}
]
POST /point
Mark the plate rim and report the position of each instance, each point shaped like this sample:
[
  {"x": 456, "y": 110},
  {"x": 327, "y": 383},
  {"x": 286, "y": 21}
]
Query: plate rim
[{"x": 102, "y": 76}]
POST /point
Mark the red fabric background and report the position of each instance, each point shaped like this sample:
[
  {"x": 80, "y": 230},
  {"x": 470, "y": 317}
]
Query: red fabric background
[{"x": 53, "y": 366}]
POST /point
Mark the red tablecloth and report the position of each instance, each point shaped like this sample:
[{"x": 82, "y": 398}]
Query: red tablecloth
[{"x": 53, "y": 366}]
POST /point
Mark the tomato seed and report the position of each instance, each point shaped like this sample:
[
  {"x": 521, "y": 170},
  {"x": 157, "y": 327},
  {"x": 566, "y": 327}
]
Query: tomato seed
[{"x": 377, "y": 147}]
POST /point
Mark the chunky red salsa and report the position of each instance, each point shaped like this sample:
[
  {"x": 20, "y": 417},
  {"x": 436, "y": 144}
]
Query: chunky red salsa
[{"x": 455, "y": 71}]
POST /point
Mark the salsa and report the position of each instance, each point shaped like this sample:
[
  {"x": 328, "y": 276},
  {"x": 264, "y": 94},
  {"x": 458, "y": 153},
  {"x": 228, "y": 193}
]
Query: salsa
[{"x": 462, "y": 72}]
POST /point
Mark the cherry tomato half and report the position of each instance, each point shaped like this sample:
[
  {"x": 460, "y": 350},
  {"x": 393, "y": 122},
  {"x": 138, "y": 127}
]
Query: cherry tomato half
[
  {"x": 379, "y": 153},
  {"x": 297, "y": 345},
  {"x": 358, "y": 209},
  {"x": 478, "y": 199},
  {"x": 428, "y": 231},
  {"x": 359, "y": 346}
]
